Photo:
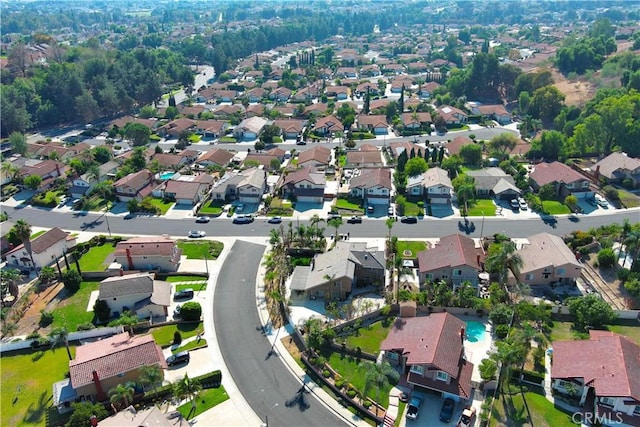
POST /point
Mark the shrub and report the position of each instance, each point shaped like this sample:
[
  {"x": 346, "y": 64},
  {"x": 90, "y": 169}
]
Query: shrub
[
  {"x": 101, "y": 310},
  {"x": 351, "y": 393},
  {"x": 339, "y": 383},
  {"x": 86, "y": 326},
  {"x": 606, "y": 258},
  {"x": 501, "y": 314},
  {"x": 33, "y": 335},
  {"x": 71, "y": 280},
  {"x": 367, "y": 404},
  {"x": 622, "y": 274},
  {"x": 46, "y": 318},
  {"x": 633, "y": 287},
  {"x": 502, "y": 331},
  {"x": 177, "y": 338},
  {"x": 326, "y": 373},
  {"x": 191, "y": 311}
]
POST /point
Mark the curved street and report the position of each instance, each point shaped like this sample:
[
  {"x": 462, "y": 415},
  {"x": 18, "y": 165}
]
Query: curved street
[{"x": 264, "y": 381}]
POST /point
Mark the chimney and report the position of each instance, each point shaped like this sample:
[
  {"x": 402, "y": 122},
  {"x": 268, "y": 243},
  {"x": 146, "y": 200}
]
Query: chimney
[
  {"x": 129, "y": 259},
  {"x": 99, "y": 391},
  {"x": 462, "y": 335}
]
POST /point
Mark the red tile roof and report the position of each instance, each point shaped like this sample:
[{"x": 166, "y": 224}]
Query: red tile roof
[
  {"x": 451, "y": 251},
  {"x": 547, "y": 173},
  {"x": 148, "y": 246}
]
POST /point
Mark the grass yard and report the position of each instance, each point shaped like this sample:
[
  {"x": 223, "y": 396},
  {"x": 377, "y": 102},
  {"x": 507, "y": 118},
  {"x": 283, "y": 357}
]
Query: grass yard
[
  {"x": 481, "y": 207},
  {"x": 164, "y": 334},
  {"x": 628, "y": 199},
  {"x": 195, "y": 286},
  {"x": 27, "y": 380},
  {"x": 553, "y": 207},
  {"x": 212, "y": 207},
  {"x": 510, "y": 410},
  {"x": 191, "y": 345},
  {"x": 227, "y": 139},
  {"x": 369, "y": 338},
  {"x": 94, "y": 260},
  {"x": 346, "y": 204},
  {"x": 564, "y": 331},
  {"x": 208, "y": 399},
  {"x": 72, "y": 310},
  {"x": 412, "y": 209},
  {"x": 209, "y": 249},
  {"x": 161, "y": 204},
  {"x": 412, "y": 246},
  {"x": 173, "y": 279},
  {"x": 34, "y": 235},
  {"x": 342, "y": 160},
  {"x": 631, "y": 330}
]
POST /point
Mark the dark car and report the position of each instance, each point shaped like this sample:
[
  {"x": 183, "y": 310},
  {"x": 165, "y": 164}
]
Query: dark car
[
  {"x": 275, "y": 220},
  {"x": 183, "y": 294},
  {"x": 182, "y": 357},
  {"x": 446, "y": 412},
  {"x": 413, "y": 409},
  {"x": 355, "y": 220},
  {"x": 515, "y": 204},
  {"x": 409, "y": 219},
  {"x": 333, "y": 215}
]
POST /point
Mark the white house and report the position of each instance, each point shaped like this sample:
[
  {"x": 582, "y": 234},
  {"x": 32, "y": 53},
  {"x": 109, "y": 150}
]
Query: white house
[
  {"x": 46, "y": 248},
  {"x": 249, "y": 129},
  {"x": 372, "y": 185},
  {"x": 138, "y": 293},
  {"x": 85, "y": 182}
]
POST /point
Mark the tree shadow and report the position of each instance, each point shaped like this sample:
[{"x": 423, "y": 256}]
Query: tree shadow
[
  {"x": 37, "y": 355},
  {"x": 299, "y": 399},
  {"x": 36, "y": 414}
]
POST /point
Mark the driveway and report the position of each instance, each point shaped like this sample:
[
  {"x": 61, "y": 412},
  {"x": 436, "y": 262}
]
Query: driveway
[{"x": 429, "y": 415}]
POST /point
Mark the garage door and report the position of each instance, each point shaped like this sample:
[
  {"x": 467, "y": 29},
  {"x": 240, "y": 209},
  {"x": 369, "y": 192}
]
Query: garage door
[
  {"x": 310, "y": 199},
  {"x": 377, "y": 201},
  {"x": 247, "y": 199}
]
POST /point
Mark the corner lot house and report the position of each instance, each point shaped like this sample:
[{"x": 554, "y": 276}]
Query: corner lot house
[
  {"x": 46, "y": 248},
  {"x": 454, "y": 259},
  {"x": 148, "y": 253},
  {"x": 332, "y": 275},
  {"x": 430, "y": 352},
  {"x": 565, "y": 180},
  {"x": 138, "y": 293},
  {"x": 547, "y": 260},
  {"x": 617, "y": 167},
  {"x": 603, "y": 372}
]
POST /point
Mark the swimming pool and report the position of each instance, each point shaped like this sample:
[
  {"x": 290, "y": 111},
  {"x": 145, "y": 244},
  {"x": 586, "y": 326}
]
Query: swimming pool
[
  {"x": 166, "y": 175},
  {"x": 475, "y": 331}
]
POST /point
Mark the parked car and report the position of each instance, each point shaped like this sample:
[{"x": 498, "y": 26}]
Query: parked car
[
  {"x": 404, "y": 397},
  {"x": 275, "y": 220},
  {"x": 176, "y": 311},
  {"x": 203, "y": 219},
  {"x": 183, "y": 294},
  {"x": 601, "y": 201},
  {"x": 333, "y": 215},
  {"x": 355, "y": 220},
  {"x": 467, "y": 417},
  {"x": 523, "y": 204},
  {"x": 413, "y": 409},
  {"x": 515, "y": 205},
  {"x": 182, "y": 357},
  {"x": 391, "y": 211},
  {"x": 409, "y": 219},
  {"x": 446, "y": 412},
  {"x": 196, "y": 233},
  {"x": 243, "y": 219}
]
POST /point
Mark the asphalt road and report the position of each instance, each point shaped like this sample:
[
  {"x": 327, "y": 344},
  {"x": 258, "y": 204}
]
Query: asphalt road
[
  {"x": 261, "y": 377},
  {"x": 427, "y": 227}
]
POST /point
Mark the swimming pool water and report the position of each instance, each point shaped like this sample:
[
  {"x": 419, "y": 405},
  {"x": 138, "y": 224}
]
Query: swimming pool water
[
  {"x": 166, "y": 175},
  {"x": 475, "y": 331}
]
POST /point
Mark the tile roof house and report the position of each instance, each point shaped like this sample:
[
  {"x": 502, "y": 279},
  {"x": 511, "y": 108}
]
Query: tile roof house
[
  {"x": 416, "y": 120},
  {"x": 306, "y": 185},
  {"x": 85, "y": 182},
  {"x": 184, "y": 192},
  {"x": 215, "y": 157},
  {"x": 617, "y": 167},
  {"x": 138, "y": 293},
  {"x": 48, "y": 170},
  {"x": 333, "y": 274},
  {"x": 364, "y": 159},
  {"x": 604, "y": 372},
  {"x": 398, "y": 147},
  {"x": 494, "y": 182},
  {"x": 291, "y": 129},
  {"x": 148, "y": 253},
  {"x": 454, "y": 146},
  {"x": 100, "y": 366},
  {"x": 247, "y": 186},
  {"x": 318, "y": 157},
  {"x": 377, "y": 124},
  {"x": 564, "y": 179},
  {"x": 263, "y": 159},
  {"x": 249, "y": 129},
  {"x": 452, "y": 115},
  {"x": 454, "y": 259},
  {"x": 328, "y": 125},
  {"x": 430, "y": 351},
  {"x": 546, "y": 260},
  {"x": 136, "y": 185},
  {"x": 496, "y": 112},
  {"x": 434, "y": 184},
  {"x": 46, "y": 249},
  {"x": 373, "y": 186}
]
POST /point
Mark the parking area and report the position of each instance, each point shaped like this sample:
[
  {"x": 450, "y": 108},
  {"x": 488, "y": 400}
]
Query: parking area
[{"x": 429, "y": 415}]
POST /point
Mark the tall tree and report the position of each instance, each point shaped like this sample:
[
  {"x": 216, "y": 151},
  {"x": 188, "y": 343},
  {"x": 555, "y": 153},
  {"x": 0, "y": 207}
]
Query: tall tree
[
  {"x": 18, "y": 143},
  {"x": 151, "y": 375},
  {"x": 504, "y": 259},
  {"x": 23, "y": 232},
  {"x": 122, "y": 393},
  {"x": 188, "y": 388},
  {"x": 60, "y": 336},
  {"x": 380, "y": 376}
]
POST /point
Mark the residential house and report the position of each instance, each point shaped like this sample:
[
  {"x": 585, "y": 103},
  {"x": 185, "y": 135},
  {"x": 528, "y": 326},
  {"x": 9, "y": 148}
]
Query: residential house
[
  {"x": 48, "y": 170},
  {"x": 416, "y": 120},
  {"x": 332, "y": 275},
  {"x": 452, "y": 115},
  {"x": 398, "y": 147},
  {"x": 338, "y": 92},
  {"x": 426, "y": 90},
  {"x": 264, "y": 160},
  {"x": 247, "y": 186},
  {"x": 316, "y": 109},
  {"x": 306, "y": 94},
  {"x": 378, "y": 106},
  {"x": 362, "y": 88},
  {"x": 305, "y": 185},
  {"x": 434, "y": 184},
  {"x": 547, "y": 260},
  {"x": 249, "y": 129},
  {"x": 187, "y": 192},
  {"x": 229, "y": 111},
  {"x": 346, "y": 72},
  {"x": 326, "y": 126},
  {"x": 150, "y": 416},
  {"x": 85, "y": 182},
  {"x": 373, "y": 186},
  {"x": 377, "y": 124},
  {"x": 138, "y": 293},
  {"x": 215, "y": 157},
  {"x": 281, "y": 94},
  {"x": 148, "y": 253},
  {"x": 291, "y": 129},
  {"x": 102, "y": 365},
  {"x": 496, "y": 112},
  {"x": 371, "y": 70},
  {"x": 430, "y": 351},
  {"x": 174, "y": 128},
  {"x": 254, "y": 110},
  {"x": 170, "y": 161},
  {"x": 398, "y": 83},
  {"x": 393, "y": 68},
  {"x": 494, "y": 182},
  {"x": 563, "y": 178},
  {"x": 454, "y": 259},
  {"x": 256, "y": 94},
  {"x": 136, "y": 185},
  {"x": 364, "y": 159},
  {"x": 618, "y": 167},
  {"x": 603, "y": 372},
  {"x": 56, "y": 150},
  {"x": 46, "y": 249},
  {"x": 212, "y": 129},
  {"x": 318, "y": 157},
  {"x": 453, "y": 147}
]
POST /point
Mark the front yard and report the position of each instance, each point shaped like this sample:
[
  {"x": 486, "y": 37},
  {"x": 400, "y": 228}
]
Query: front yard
[
  {"x": 510, "y": 410},
  {"x": 203, "y": 249},
  {"x": 212, "y": 207},
  {"x": 208, "y": 399},
  {"x": 350, "y": 205},
  {"x": 370, "y": 337},
  {"x": 628, "y": 199},
  {"x": 410, "y": 248},
  {"x": 163, "y": 335},
  {"x": 162, "y": 205},
  {"x": 554, "y": 207},
  {"x": 94, "y": 259},
  {"x": 482, "y": 207}
]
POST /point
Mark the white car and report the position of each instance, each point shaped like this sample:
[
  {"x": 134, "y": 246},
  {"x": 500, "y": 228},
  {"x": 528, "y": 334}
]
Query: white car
[
  {"x": 601, "y": 201},
  {"x": 196, "y": 233},
  {"x": 523, "y": 204}
]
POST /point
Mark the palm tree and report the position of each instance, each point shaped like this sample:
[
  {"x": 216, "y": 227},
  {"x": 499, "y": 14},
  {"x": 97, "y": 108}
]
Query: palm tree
[
  {"x": 507, "y": 354},
  {"x": 93, "y": 173},
  {"x": 9, "y": 278},
  {"x": 151, "y": 375},
  {"x": 465, "y": 192},
  {"x": 335, "y": 223},
  {"x": 390, "y": 222},
  {"x": 188, "y": 388},
  {"x": 122, "y": 393},
  {"x": 10, "y": 170},
  {"x": 632, "y": 244},
  {"x": 59, "y": 336},
  {"x": 504, "y": 260},
  {"x": 23, "y": 232},
  {"x": 379, "y": 376},
  {"x": 626, "y": 229}
]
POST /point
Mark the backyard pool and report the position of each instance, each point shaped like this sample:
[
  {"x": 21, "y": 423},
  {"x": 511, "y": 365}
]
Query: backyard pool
[
  {"x": 166, "y": 175},
  {"x": 475, "y": 331}
]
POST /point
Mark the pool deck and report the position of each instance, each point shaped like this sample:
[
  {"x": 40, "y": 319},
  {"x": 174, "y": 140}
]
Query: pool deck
[{"x": 476, "y": 351}]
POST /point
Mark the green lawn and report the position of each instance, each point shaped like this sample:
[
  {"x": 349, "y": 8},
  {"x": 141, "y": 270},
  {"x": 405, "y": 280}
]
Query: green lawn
[
  {"x": 412, "y": 209},
  {"x": 212, "y": 207},
  {"x": 199, "y": 250},
  {"x": 410, "y": 245},
  {"x": 564, "y": 331},
  {"x": 630, "y": 200},
  {"x": 161, "y": 204},
  {"x": 346, "y": 204},
  {"x": 342, "y": 160},
  {"x": 173, "y": 279},
  {"x": 631, "y": 331},
  {"x": 208, "y": 399},
  {"x": 34, "y": 235},
  {"x": 369, "y": 338},
  {"x": 191, "y": 345},
  {"x": 481, "y": 207},
  {"x": 195, "y": 286},
  {"x": 227, "y": 139},
  {"x": 72, "y": 310},
  {"x": 164, "y": 334},
  {"x": 27, "y": 380},
  {"x": 95, "y": 258},
  {"x": 510, "y": 410},
  {"x": 553, "y": 207}
]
